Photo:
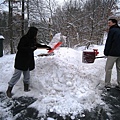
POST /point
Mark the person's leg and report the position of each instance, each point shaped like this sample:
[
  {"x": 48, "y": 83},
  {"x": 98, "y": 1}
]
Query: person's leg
[
  {"x": 26, "y": 80},
  {"x": 118, "y": 71},
  {"x": 15, "y": 77},
  {"x": 108, "y": 69},
  {"x": 13, "y": 81}
]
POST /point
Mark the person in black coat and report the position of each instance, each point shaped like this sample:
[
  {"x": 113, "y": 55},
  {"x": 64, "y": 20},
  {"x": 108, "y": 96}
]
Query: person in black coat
[
  {"x": 24, "y": 60},
  {"x": 112, "y": 51}
]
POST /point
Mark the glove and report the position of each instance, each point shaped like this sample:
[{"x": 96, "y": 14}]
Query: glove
[
  {"x": 33, "y": 48},
  {"x": 105, "y": 57},
  {"x": 49, "y": 48}
]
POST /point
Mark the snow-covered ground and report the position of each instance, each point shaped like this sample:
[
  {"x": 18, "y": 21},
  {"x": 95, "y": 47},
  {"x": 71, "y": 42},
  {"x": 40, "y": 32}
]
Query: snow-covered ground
[{"x": 61, "y": 83}]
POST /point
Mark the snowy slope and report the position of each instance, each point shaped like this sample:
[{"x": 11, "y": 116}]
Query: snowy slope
[{"x": 61, "y": 83}]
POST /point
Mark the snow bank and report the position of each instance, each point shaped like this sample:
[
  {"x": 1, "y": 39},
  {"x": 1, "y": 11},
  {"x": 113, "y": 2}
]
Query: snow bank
[
  {"x": 65, "y": 84},
  {"x": 61, "y": 83}
]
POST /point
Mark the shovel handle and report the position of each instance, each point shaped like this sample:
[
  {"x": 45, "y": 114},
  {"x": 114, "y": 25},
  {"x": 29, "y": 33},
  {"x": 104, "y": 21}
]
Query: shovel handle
[
  {"x": 57, "y": 45},
  {"x": 101, "y": 57}
]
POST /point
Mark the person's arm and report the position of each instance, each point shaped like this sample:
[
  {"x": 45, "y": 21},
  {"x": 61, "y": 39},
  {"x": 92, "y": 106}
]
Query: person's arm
[
  {"x": 109, "y": 41},
  {"x": 43, "y": 46}
]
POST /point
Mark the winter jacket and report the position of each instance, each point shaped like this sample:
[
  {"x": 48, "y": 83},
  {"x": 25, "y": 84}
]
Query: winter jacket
[
  {"x": 24, "y": 59},
  {"x": 112, "y": 46}
]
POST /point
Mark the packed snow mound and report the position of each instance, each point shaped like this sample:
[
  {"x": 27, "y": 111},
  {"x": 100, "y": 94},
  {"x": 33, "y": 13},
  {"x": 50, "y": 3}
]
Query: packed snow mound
[
  {"x": 57, "y": 38},
  {"x": 65, "y": 84},
  {"x": 61, "y": 83}
]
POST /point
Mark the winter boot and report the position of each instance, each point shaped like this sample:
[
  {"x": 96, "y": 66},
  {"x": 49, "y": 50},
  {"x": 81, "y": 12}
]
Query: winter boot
[
  {"x": 8, "y": 92},
  {"x": 26, "y": 87}
]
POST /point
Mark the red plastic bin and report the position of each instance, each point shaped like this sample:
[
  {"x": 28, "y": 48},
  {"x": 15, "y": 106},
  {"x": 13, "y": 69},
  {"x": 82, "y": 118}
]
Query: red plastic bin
[{"x": 88, "y": 56}]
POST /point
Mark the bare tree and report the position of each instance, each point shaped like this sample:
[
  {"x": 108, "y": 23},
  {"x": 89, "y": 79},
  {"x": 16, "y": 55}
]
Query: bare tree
[
  {"x": 84, "y": 23},
  {"x": 41, "y": 14}
]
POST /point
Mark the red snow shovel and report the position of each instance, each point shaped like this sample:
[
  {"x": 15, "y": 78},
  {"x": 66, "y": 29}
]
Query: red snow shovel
[
  {"x": 52, "y": 50},
  {"x": 90, "y": 56},
  {"x": 56, "y": 46}
]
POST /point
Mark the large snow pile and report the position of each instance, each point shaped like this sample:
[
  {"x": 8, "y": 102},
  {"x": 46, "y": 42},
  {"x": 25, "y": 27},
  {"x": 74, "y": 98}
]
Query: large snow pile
[
  {"x": 66, "y": 85},
  {"x": 61, "y": 83}
]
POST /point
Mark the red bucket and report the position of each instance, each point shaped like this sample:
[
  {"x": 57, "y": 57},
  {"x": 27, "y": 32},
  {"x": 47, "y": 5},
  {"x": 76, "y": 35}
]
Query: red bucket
[{"x": 89, "y": 56}]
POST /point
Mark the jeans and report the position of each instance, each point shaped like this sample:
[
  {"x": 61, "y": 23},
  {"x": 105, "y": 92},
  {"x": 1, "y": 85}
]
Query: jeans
[
  {"x": 108, "y": 69},
  {"x": 16, "y": 77}
]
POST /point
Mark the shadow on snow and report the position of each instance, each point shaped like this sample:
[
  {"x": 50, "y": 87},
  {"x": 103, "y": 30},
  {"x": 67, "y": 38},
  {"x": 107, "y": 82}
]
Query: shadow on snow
[{"x": 18, "y": 108}]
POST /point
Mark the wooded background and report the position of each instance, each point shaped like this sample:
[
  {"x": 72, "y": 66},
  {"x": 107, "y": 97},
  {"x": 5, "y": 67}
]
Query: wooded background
[{"x": 82, "y": 22}]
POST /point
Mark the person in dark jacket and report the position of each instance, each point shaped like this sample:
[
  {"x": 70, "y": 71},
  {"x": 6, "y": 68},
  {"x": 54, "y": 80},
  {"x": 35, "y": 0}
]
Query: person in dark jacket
[
  {"x": 24, "y": 60},
  {"x": 112, "y": 51}
]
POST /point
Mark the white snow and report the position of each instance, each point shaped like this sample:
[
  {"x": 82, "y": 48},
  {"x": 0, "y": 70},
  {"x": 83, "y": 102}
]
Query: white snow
[
  {"x": 61, "y": 83},
  {"x": 1, "y": 37}
]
